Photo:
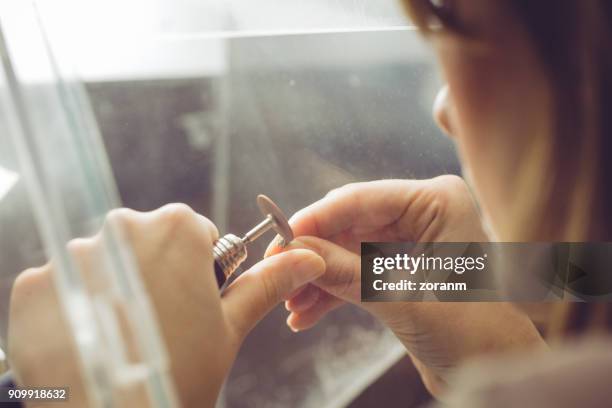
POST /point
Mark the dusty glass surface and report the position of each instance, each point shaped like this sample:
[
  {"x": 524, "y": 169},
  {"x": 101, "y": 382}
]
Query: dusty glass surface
[
  {"x": 71, "y": 321},
  {"x": 212, "y": 102}
]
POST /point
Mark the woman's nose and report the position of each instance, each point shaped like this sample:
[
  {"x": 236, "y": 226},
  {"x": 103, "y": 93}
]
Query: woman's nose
[{"x": 441, "y": 110}]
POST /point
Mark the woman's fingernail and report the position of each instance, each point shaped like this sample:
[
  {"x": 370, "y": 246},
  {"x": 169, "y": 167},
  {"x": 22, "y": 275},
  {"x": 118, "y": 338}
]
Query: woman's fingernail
[
  {"x": 275, "y": 246},
  {"x": 305, "y": 300},
  {"x": 279, "y": 241},
  {"x": 293, "y": 329}
]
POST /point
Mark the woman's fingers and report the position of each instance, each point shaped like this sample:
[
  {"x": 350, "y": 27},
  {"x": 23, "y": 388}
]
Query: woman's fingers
[
  {"x": 304, "y": 299},
  {"x": 367, "y": 205},
  {"x": 358, "y": 205},
  {"x": 384, "y": 209},
  {"x": 339, "y": 283},
  {"x": 342, "y": 277},
  {"x": 254, "y": 293},
  {"x": 441, "y": 208},
  {"x": 298, "y": 321},
  {"x": 311, "y": 290}
]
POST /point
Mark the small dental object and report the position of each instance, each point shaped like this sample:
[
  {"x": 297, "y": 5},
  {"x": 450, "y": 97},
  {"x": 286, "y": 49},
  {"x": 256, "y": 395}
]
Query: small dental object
[{"x": 230, "y": 251}]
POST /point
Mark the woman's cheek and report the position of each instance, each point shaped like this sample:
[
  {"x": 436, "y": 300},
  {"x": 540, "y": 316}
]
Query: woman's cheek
[{"x": 477, "y": 117}]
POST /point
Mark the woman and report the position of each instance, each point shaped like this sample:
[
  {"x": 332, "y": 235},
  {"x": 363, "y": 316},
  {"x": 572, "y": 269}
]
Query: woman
[{"x": 525, "y": 103}]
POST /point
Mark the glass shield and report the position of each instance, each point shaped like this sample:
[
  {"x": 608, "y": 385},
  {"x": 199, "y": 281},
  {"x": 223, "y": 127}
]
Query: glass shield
[
  {"x": 213, "y": 102},
  {"x": 90, "y": 324}
]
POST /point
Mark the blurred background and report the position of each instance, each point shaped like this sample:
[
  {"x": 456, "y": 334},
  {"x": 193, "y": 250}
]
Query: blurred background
[{"x": 213, "y": 102}]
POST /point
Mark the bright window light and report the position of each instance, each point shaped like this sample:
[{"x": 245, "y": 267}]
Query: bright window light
[{"x": 7, "y": 181}]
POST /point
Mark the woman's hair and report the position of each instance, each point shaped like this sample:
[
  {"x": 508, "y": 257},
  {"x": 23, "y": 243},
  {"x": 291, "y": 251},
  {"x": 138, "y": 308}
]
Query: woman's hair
[
  {"x": 567, "y": 190},
  {"x": 573, "y": 41}
]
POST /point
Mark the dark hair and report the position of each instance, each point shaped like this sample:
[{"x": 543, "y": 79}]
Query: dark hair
[{"x": 573, "y": 40}]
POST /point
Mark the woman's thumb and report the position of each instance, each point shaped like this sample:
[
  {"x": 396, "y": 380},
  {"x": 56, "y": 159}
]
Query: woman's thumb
[{"x": 257, "y": 291}]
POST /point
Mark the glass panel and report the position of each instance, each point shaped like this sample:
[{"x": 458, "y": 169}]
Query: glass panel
[{"x": 66, "y": 320}]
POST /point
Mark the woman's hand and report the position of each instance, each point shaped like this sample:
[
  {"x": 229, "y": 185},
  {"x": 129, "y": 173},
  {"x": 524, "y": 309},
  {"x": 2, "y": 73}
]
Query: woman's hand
[
  {"x": 437, "y": 335},
  {"x": 202, "y": 330}
]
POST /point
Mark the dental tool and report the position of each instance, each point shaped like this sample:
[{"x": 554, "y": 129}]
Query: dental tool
[{"x": 230, "y": 251}]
